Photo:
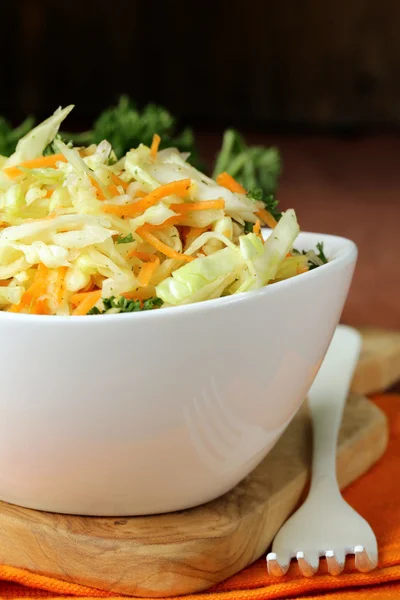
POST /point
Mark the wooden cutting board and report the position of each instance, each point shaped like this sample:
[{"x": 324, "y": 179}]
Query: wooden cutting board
[
  {"x": 190, "y": 550},
  {"x": 379, "y": 365}
]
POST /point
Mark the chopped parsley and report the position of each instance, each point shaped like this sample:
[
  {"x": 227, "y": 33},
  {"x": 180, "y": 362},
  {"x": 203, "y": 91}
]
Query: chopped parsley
[
  {"x": 320, "y": 254},
  {"x": 124, "y": 239},
  {"x": 125, "y": 305},
  {"x": 270, "y": 201}
]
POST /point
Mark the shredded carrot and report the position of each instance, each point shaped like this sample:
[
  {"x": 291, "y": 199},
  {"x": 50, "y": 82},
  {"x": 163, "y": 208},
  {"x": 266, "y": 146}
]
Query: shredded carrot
[
  {"x": 118, "y": 181},
  {"x": 99, "y": 191},
  {"x": 146, "y": 235},
  {"x": 147, "y": 271},
  {"x": 177, "y": 188},
  {"x": 42, "y": 162},
  {"x": 257, "y": 229},
  {"x": 77, "y": 298},
  {"x": 167, "y": 223},
  {"x": 266, "y": 218},
  {"x": 114, "y": 191},
  {"x": 4, "y": 282},
  {"x": 144, "y": 256},
  {"x": 140, "y": 194},
  {"x": 229, "y": 182},
  {"x": 34, "y": 291},
  {"x": 40, "y": 307},
  {"x": 154, "y": 146},
  {"x": 87, "y": 302},
  {"x": 38, "y": 287},
  {"x": 289, "y": 255},
  {"x": 59, "y": 284},
  {"x": 186, "y": 207},
  {"x": 49, "y": 193}
]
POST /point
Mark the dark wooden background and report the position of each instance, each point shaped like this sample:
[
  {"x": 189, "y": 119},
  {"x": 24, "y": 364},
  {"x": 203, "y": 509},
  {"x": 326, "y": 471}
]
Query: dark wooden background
[
  {"x": 266, "y": 63},
  {"x": 318, "y": 78}
]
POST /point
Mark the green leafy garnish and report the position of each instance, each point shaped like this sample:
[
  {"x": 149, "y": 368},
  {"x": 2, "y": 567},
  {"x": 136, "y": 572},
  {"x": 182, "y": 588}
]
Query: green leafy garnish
[
  {"x": 9, "y": 136},
  {"x": 270, "y": 202},
  {"x": 124, "y": 239},
  {"x": 94, "y": 311},
  {"x": 248, "y": 227},
  {"x": 253, "y": 166},
  {"x": 124, "y": 305},
  {"x": 51, "y": 148},
  {"x": 321, "y": 254},
  {"x": 125, "y": 127}
]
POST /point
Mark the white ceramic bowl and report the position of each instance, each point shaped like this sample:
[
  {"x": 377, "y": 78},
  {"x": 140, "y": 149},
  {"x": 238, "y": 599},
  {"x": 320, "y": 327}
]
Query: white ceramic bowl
[{"x": 145, "y": 413}]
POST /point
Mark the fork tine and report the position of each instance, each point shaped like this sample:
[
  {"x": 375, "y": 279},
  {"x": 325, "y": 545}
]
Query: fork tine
[
  {"x": 274, "y": 567},
  {"x": 335, "y": 561},
  {"x": 308, "y": 565},
  {"x": 363, "y": 562}
]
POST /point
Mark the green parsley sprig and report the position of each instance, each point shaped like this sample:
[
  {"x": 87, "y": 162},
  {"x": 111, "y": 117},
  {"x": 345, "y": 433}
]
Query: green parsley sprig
[{"x": 125, "y": 305}]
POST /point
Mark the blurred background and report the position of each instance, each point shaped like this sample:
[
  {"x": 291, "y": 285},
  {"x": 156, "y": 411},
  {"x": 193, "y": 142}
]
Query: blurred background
[{"x": 319, "y": 80}]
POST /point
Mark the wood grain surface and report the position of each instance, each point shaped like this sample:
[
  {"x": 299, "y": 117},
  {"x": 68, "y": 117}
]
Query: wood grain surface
[
  {"x": 190, "y": 550},
  {"x": 379, "y": 366}
]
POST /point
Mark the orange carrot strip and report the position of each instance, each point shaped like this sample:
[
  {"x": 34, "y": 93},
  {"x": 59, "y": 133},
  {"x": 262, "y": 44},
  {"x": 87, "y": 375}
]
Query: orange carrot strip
[
  {"x": 80, "y": 296},
  {"x": 177, "y": 188},
  {"x": 147, "y": 271},
  {"x": 140, "y": 194},
  {"x": 114, "y": 191},
  {"x": 40, "y": 307},
  {"x": 90, "y": 299},
  {"x": 144, "y": 256},
  {"x": 154, "y": 145},
  {"x": 99, "y": 191},
  {"x": 49, "y": 193},
  {"x": 257, "y": 229},
  {"x": 160, "y": 246},
  {"x": 42, "y": 162},
  {"x": 4, "y": 282},
  {"x": 186, "y": 207},
  {"x": 266, "y": 218},
  {"x": 229, "y": 182},
  {"x": 118, "y": 181},
  {"x": 38, "y": 286},
  {"x": 167, "y": 223},
  {"x": 35, "y": 290}
]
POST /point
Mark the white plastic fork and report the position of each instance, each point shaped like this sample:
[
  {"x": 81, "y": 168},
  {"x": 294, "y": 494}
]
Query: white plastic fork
[{"x": 325, "y": 525}]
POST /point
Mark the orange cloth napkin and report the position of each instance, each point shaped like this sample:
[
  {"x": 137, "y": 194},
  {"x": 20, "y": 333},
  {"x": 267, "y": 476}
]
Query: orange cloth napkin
[{"x": 376, "y": 496}]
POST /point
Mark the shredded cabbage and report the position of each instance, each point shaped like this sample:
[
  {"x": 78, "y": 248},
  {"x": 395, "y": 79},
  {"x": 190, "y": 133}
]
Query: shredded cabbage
[{"x": 79, "y": 229}]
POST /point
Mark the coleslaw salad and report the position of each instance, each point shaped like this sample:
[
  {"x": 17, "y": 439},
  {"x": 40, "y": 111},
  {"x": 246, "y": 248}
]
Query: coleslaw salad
[{"x": 84, "y": 233}]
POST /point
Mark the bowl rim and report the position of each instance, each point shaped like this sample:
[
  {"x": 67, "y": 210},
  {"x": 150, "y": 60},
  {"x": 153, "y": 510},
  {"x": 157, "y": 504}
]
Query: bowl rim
[{"x": 346, "y": 249}]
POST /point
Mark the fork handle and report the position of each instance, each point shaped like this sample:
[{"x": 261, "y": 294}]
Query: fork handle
[{"x": 327, "y": 398}]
